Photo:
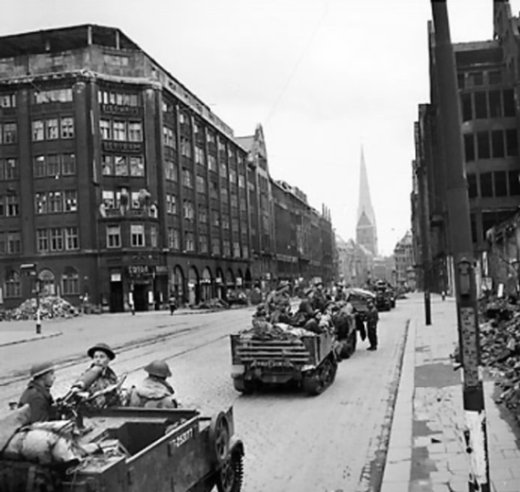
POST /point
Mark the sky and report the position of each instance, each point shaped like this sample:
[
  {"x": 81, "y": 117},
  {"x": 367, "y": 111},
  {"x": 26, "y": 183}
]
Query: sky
[{"x": 323, "y": 78}]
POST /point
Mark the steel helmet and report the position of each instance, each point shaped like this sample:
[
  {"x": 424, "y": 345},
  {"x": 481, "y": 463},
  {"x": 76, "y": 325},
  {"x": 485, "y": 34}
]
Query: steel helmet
[
  {"x": 41, "y": 368},
  {"x": 158, "y": 368},
  {"x": 102, "y": 347}
]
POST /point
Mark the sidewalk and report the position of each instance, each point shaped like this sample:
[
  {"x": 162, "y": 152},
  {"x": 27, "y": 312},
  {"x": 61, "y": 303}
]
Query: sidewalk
[{"x": 426, "y": 449}]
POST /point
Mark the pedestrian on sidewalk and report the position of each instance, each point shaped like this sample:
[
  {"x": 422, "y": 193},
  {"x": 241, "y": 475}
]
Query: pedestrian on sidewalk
[
  {"x": 38, "y": 393},
  {"x": 372, "y": 318},
  {"x": 172, "y": 301}
]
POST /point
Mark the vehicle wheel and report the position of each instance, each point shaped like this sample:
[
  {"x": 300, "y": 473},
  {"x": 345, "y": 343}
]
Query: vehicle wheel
[
  {"x": 231, "y": 474},
  {"x": 219, "y": 436},
  {"x": 244, "y": 386},
  {"x": 312, "y": 384}
]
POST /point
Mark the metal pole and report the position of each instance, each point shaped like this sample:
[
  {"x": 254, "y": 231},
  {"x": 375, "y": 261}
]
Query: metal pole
[
  {"x": 460, "y": 238},
  {"x": 423, "y": 223},
  {"x": 38, "y": 315}
]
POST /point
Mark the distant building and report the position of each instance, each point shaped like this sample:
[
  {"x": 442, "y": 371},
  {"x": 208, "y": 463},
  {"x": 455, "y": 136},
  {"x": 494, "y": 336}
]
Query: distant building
[
  {"x": 404, "y": 262},
  {"x": 305, "y": 243},
  {"x": 366, "y": 229},
  {"x": 355, "y": 263}
]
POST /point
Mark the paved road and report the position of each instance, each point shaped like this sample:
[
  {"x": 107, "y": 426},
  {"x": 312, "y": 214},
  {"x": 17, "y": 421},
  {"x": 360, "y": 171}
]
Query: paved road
[{"x": 294, "y": 443}]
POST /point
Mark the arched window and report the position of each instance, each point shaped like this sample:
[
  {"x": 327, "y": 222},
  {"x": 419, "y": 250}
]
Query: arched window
[
  {"x": 70, "y": 281},
  {"x": 47, "y": 285},
  {"x": 13, "y": 287}
]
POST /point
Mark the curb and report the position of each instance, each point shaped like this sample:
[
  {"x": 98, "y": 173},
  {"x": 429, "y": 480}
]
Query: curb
[
  {"x": 396, "y": 474},
  {"x": 23, "y": 340}
]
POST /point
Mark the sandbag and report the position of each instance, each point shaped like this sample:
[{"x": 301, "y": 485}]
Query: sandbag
[
  {"x": 44, "y": 443},
  {"x": 13, "y": 421}
]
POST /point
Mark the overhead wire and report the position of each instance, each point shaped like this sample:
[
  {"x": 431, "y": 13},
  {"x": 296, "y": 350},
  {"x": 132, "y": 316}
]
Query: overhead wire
[{"x": 297, "y": 63}]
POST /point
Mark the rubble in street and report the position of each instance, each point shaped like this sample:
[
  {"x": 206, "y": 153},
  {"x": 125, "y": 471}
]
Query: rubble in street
[{"x": 50, "y": 307}]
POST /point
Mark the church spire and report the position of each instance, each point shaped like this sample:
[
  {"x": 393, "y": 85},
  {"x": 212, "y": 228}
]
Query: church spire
[{"x": 366, "y": 231}]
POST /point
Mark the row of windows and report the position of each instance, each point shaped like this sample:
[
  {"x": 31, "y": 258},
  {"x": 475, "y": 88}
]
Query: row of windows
[
  {"x": 118, "y": 165},
  {"x": 8, "y": 133},
  {"x": 121, "y": 131},
  {"x": 113, "y": 199},
  {"x": 53, "y": 95},
  {"x": 54, "y": 165},
  {"x": 52, "y": 129},
  {"x": 118, "y": 98},
  {"x": 137, "y": 236},
  {"x": 479, "y": 78},
  {"x": 488, "y": 145},
  {"x": 57, "y": 239},
  {"x": 494, "y": 184},
  {"x": 53, "y": 202},
  {"x": 488, "y": 104},
  {"x": 69, "y": 283},
  {"x": 203, "y": 246}
]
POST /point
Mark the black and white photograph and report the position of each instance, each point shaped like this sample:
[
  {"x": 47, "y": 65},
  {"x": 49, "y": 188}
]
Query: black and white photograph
[{"x": 260, "y": 246}]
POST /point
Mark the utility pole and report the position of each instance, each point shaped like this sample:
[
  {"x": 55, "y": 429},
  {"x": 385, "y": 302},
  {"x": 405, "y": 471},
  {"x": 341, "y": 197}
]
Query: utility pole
[
  {"x": 422, "y": 177},
  {"x": 462, "y": 248}
]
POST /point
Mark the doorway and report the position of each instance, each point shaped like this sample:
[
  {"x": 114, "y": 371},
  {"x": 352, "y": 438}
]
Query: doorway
[
  {"x": 117, "y": 304},
  {"x": 141, "y": 297}
]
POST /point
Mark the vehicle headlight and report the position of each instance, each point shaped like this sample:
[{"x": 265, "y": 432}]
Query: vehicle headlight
[{"x": 237, "y": 369}]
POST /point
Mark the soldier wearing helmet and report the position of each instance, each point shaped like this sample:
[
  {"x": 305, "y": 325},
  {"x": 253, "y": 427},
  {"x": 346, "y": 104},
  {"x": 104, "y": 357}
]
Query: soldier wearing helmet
[
  {"x": 38, "y": 395},
  {"x": 99, "y": 376},
  {"x": 154, "y": 391}
]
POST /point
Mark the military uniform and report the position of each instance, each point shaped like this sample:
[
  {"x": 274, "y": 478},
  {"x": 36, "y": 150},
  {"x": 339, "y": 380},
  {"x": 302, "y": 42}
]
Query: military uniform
[
  {"x": 40, "y": 401},
  {"x": 152, "y": 392},
  {"x": 372, "y": 318},
  {"x": 38, "y": 395}
]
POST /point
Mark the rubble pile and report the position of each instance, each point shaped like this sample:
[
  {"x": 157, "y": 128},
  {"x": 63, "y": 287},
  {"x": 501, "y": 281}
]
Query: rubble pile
[
  {"x": 50, "y": 307},
  {"x": 500, "y": 350},
  {"x": 214, "y": 303}
]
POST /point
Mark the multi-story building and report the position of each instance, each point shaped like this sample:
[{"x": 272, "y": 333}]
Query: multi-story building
[
  {"x": 261, "y": 208},
  {"x": 487, "y": 74},
  {"x": 116, "y": 181},
  {"x": 404, "y": 262},
  {"x": 304, "y": 237}
]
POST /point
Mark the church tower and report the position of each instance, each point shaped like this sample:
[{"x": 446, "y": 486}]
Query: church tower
[{"x": 366, "y": 230}]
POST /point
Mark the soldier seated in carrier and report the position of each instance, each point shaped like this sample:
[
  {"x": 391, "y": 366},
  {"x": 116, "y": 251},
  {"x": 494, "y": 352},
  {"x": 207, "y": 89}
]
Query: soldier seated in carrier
[{"x": 154, "y": 391}]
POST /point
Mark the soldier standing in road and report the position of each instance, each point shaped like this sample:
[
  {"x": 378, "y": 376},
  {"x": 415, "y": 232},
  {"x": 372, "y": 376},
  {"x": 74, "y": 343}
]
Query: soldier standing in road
[
  {"x": 154, "y": 391},
  {"x": 38, "y": 392},
  {"x": 372, "y": 318}
]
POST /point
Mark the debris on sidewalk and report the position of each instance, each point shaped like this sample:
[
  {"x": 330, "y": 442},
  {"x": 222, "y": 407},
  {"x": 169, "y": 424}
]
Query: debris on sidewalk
[
  {"x": 500, "y": 349},
  {"x": 50, "y": 307}
]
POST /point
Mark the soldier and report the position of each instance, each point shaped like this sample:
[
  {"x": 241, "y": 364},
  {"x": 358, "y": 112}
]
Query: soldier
[
  {"x": 99, "y": 376},
  {"x": 279, "y": 303},
  {"x": 154, "y": 391},
  {"x": 38, "y": 395},
  {"x": 372, "y": 318}
]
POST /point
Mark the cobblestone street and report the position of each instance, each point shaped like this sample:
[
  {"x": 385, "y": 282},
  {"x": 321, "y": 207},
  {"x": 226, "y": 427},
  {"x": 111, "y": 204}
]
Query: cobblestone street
[{"x": 293, "y": 442}]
